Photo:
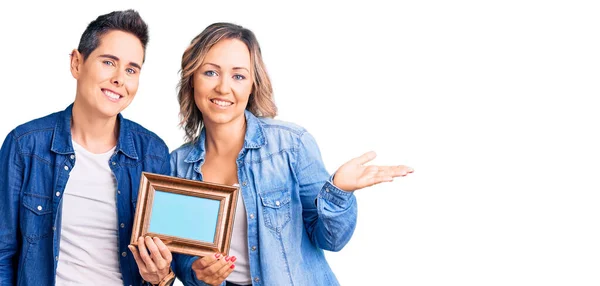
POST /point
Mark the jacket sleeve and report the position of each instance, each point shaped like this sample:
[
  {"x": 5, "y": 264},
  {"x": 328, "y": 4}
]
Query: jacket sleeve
[
  {"x": 183, "y": 263},
  {"x": 329, "y": 213},
  {"x": 11, "y": 180}
]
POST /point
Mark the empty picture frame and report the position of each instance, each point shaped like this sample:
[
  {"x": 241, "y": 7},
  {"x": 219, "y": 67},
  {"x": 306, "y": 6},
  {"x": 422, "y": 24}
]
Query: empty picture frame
[{"x": 190, "y": 217}]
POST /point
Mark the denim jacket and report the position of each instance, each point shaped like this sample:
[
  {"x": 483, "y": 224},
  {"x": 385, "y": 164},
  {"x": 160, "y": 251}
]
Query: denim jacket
[
  {"x": 294, "y": 212},
  {"x": 35, "y": 161}
]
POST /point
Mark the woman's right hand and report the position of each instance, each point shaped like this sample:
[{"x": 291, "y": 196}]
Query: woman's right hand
[{"x": 213, "y": 269}]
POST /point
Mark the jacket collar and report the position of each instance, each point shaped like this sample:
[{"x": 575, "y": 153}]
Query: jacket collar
[
  {"x": 253, "y": 139},
  {"x": 61, "y": 141}
]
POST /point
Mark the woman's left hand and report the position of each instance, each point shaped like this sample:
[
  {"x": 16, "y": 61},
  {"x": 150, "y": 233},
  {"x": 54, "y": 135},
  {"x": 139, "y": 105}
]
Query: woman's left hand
[
  {"x": 153, "y": 258},
  {"x": 354, "y": 175}
]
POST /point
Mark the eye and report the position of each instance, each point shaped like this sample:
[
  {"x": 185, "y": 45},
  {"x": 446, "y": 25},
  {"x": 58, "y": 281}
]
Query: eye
[
  {"x": 131, "y": 71},
  {"x": 109, "y": 63},
  {"x": 239, "y": 77},
  {"x": 210, "y": 73}
]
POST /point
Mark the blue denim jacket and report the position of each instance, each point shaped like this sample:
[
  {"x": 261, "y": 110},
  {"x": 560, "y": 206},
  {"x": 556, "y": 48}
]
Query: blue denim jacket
[
  {"x": 35, "y": 161},
  {"x": 294, "y": 212}
]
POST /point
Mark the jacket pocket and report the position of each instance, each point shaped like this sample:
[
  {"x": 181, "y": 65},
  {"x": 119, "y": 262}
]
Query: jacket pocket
[
  {"x": 36, "y": 220},
  {"x": 276, "y": 208}
]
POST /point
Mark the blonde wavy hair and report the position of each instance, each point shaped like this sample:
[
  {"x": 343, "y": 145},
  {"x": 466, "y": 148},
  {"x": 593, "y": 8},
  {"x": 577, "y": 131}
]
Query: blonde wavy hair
[{"x": 260, "y": 103}]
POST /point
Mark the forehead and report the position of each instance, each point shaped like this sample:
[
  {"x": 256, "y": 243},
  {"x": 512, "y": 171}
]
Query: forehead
[
  {"x": 229, "y": 53},
  {"x": 123, "y": 45}
]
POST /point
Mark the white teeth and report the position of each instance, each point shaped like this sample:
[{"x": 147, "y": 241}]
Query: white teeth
[
  {"x": 221, "y": 103},
  {"x": 111, "y": 94}
]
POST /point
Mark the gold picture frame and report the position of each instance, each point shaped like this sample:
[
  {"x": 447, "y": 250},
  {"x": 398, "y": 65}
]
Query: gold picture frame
[{"x": 185, "y": 214}]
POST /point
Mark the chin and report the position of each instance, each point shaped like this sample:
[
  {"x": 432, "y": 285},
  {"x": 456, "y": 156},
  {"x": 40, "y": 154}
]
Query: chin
[
  {"x": 221, "y": 118},
  {"x": 110, "y": 112}
]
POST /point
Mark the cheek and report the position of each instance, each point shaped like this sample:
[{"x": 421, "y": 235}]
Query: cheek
[
  {"x": 200, "y": 98},
  {"x": 243, "y": 91},
  {"x": 132, "y": 86}
]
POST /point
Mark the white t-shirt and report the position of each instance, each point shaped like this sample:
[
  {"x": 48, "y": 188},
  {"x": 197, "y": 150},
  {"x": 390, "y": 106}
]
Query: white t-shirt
[
  {"x": 239, "y": 246},
  {"x": 88, "y": 241}
]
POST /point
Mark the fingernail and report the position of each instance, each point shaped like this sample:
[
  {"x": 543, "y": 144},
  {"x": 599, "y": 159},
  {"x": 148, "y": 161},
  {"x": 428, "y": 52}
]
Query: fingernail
[
  {"x": 232, "y": 266},
  {"x": 233, "y": 259},
  {"x": 227, "y": 258},
  {"x": 217, "y": 255}
]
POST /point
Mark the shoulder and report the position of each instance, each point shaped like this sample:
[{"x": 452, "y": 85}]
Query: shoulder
[
  {"x": 280, "y": 127},
  {"x": 142, "y": 135},
  {"x": 39, "y": 125},
  {"x": 182, "y": 151}
]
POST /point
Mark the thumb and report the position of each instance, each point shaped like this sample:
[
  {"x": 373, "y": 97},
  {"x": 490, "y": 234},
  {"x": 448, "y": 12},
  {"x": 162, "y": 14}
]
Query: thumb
[{"x": 364, "y": 158}]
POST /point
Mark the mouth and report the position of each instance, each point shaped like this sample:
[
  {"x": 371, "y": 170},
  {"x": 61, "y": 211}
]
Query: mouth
[
  {"x": 111, "y": 95},
  {"x": 221, "y": 103}
]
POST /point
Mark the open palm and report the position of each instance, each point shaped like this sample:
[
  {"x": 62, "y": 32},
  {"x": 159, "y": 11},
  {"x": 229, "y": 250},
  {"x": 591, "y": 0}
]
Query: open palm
[{"x": 354, "y": 175}]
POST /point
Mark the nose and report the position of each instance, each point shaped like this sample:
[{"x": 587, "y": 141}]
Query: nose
[
  {"x": 223, "y": 87},
  {"x": 118, "y": 78}
]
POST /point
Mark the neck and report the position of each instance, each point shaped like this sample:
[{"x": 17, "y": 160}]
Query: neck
[
  {"x": 225, "y": 139},
  {"x": 96, "y": 134}
]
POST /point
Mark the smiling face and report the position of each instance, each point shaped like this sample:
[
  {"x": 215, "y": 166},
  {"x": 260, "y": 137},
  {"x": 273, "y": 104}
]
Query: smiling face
[
  {"x": 223, "y": 83},
  {"x": 107, "y": 80}
]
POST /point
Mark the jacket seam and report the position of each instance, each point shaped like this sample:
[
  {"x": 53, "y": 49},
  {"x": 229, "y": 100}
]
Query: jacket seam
[{"x": 17, "y": 138}]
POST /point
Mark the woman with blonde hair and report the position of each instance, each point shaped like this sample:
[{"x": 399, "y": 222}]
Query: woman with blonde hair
[{"x": 290, "y": 208}]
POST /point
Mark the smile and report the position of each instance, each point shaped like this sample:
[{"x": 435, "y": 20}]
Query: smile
[
  {"x": 222, "y": 103},
  {"x": 112, "y": 96}
]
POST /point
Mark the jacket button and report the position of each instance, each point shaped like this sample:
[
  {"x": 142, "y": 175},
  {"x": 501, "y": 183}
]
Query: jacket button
[
  {"x": 72, "y": 157},
  {"x": 122, "y": 225},
  {"x": 114, "y": 163},
  {"x": 277, "y": 203},
  {"x": 58, "y": 194},
  {"x": 253, "y": 248},
  {"x": 39, "y": 208},
  {"x": 123, "y": 253},
  {"x": 66, "y": 168}
]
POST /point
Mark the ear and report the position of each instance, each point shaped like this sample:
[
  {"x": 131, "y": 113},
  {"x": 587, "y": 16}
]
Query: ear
[{"x": 76, "y": 63}]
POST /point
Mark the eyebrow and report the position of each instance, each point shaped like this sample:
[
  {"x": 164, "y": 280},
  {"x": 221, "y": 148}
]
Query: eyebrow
[
  {"x": 117, "y": 59},
  {"x": 219, "y": 67}
]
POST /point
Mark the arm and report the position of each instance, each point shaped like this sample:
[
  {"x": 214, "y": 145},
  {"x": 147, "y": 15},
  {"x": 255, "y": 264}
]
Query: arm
[
  {"x": 329, "y": 213},
  {"x": 11, "y": 179},
  {"x": 183, "y": 270}
]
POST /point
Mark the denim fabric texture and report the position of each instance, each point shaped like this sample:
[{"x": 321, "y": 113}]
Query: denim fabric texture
[
  {"x": 294, "y": 212},
  {"x": 35, "y": 161}
]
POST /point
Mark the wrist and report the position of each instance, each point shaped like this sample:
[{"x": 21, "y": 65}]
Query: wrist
[{"x": 167, "y": 280}]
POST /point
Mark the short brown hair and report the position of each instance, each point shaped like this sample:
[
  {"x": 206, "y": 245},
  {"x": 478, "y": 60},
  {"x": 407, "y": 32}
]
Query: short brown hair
[{"x": 261, "y": 101}]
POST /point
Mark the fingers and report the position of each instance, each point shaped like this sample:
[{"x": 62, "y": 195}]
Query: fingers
[
  {"x": 152, "y": 248},
  {"x": 164, "y": 250},
  {"x": 218, "y": 265},
  {"x": 213, "y": 269},
  {"x": 138, "y": 260},
  {"x": 206, "y": 261},
  {"x": 399, "y": 171},
  {"x": 364, "y": 158},
  {"x": 226, "y": 270},
  {"x": 143, "y": 251}
]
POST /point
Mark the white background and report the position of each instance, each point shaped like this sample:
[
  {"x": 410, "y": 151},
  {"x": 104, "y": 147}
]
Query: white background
[{"x": 492, "y": 103}]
